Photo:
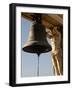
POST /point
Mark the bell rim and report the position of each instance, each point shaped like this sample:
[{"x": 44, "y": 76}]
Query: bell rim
[{"x": 29, "y": 46}]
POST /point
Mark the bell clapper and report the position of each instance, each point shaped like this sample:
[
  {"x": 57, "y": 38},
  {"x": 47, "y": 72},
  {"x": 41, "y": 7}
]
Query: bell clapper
[{"x": 38, "y": 65}]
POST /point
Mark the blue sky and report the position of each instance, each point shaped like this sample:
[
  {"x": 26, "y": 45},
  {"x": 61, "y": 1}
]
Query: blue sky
[{"x": 29, "y": 60}]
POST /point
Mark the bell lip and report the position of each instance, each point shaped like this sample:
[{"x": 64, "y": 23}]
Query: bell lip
[
  {"x": 37, "y": 52},
  {"x": 43, "y": 49}
]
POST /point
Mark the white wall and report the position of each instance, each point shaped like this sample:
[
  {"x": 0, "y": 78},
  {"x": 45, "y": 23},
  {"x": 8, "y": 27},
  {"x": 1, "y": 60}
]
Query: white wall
[{"x": 4, "y": 44}]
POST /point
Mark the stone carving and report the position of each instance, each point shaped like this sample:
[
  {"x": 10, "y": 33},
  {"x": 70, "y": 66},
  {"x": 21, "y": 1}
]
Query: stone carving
[{"x": 57, "y": 55}]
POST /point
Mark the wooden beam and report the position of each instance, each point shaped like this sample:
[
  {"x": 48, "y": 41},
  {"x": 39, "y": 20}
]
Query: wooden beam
[
  {"x": 48, "y": 20},
  {"x": 57, "y": 18}
]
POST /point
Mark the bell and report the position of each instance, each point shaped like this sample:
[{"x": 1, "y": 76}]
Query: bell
[{"x": 37, "y": 41}]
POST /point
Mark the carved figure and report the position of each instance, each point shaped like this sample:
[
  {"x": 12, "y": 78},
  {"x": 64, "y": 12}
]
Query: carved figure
[{"x": 57, "y": 59}]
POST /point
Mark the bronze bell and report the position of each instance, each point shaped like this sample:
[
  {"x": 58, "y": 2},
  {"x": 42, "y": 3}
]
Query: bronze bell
[{"x": 37, "y": 41}]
